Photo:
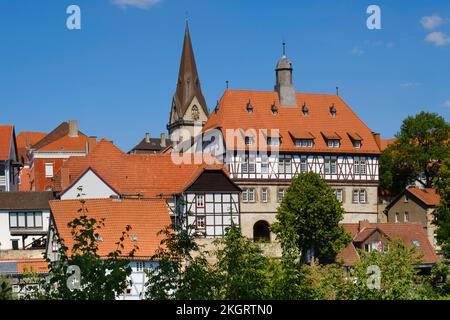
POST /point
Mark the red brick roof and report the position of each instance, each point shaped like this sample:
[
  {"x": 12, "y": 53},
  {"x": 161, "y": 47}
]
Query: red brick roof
[
  {"x": 232, "y": 114},
  {"x": 25, "y": 140},
  {"x": 407, "y": 232},
  {"x": 386, "y": 142},
  {"x": 429, "y": 196},
  {"x": 6, "y": 134},
  {"x": 59, "y": 140},
  {"x": 146, "y": 174},
  {"x": 146, "y": 218}
]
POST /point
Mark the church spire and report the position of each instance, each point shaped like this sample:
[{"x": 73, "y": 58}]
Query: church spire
[{"x": 188, "y": 84}]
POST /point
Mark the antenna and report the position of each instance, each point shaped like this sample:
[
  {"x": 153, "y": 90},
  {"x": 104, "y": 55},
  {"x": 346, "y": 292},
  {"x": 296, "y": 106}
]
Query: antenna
[
  {"x": 186, "y": 13},
  {"x": 337, "y": 91},
  {"x": 284, "y": 48},
  {"x": 227, "y": 83}
]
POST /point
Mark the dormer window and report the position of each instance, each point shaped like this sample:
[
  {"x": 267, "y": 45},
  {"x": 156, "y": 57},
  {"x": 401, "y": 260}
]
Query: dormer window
[
  {"x": 333, "y": 143},
  {"x": 304, "y": 143},
  {"x": 249, "y": 107},
  {"x": 333, "y": 111},
  {"x": 356, "y": 139},
  {"x": 274, "y": 109},
  {"x": 357, "y": 144},
  {"x": 248, "y": 140},
  {"x": 305, "y": 110}
]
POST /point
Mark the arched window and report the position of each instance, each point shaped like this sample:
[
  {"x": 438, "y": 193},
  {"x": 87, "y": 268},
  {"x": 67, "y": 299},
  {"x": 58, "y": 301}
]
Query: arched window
[{"x": 261, "y": 231}]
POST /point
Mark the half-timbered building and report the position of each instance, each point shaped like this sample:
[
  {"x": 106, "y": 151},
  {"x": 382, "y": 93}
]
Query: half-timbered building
[{"x": 265, "y": 138}]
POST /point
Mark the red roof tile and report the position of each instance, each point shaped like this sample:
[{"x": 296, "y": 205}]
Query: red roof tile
[
  {"x": 146, "y": 218},
  {"x": 6, "y": 134},
  {"x": 25, "y": 140},
  {"x": 147, "y": 174},
  {"x": 429, "y": 196},
  {"x": 231, "y": 113},
  {"x": 386, "y": 142},
  {"x": 407, "y": 232}
]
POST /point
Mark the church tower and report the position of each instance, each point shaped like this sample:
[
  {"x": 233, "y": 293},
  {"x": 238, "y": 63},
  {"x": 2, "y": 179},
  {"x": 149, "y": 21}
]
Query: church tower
[
  {"x": 284, "y": 85},
  {"x": 188, "y": 104}
]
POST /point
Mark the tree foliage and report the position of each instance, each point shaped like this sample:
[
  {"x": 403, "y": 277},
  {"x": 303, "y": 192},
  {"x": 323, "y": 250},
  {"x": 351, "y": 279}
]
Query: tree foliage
[
  {"x": 442, "y": 212},
  {"x": 6, "y": 292},
  {"x": 422, "y": 143},
  {"x": 308, "y": 217}
]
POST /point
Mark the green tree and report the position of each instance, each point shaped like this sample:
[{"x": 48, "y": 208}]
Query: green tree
[
  {"x": 307, "y": 220},
  {"x": 100, "y": 278},
  {"x": 242, "y": 270},
  {"x": 6, "y": 292},
  {"x": 183, "y": 271},
  {"x": 398, "y": 278},
  {"x": 442, "y": 212},
  {"x": 422, "y": 143}
]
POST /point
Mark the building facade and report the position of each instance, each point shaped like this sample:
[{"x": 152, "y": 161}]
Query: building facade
[{"x": 9, "y": 162}]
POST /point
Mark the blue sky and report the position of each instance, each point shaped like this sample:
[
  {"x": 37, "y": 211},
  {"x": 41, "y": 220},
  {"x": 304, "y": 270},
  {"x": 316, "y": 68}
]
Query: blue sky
[{"x": 117, "y": 74}]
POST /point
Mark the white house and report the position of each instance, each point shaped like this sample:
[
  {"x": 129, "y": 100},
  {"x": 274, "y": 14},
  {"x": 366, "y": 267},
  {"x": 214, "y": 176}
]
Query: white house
[{"x": 24, "y": 220}]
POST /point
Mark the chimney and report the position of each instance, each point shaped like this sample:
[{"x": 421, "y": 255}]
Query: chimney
[
  {"x": 363, "y": 225},
  {"x": 147, "y": 137},
  {"x": 73, "y": 128},
  {"x": 163, "y": 140},
  {"x": 376, "y": 136},
  {"x": 92, "y": 140}
]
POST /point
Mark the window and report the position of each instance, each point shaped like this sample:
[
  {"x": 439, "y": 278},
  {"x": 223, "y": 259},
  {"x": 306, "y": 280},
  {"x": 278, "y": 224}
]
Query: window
[
  {"x": 264, "y": 194},
  {"x": 416, "y": 243},
  {"x": 244, "y": 195},
  {"x": 303, "y": 165},
  {"x": 140, "y": 265},
  {"x": 333, "y": 143},
  {"x": 248, "y": 140},
  {"x": 359, "y": 166},
  {"x": 200, "y": 222},
  {"x": 280, "y": 194},
  {"x": 54, "y": 244},
  {"x": 200, "y": 201},
  {"x": 252, "y": 165},
  {"x": 15, "y": 244},
  {"x": 355, "y": 196},
  {"x": 244, "y": 165},
  {"x": 330, "y": 166},
  {"x": 284, "y": 166},
  {"x": 251, "y": 195},
  {"x": 397, "y": 217},
  {"x": 406, "y": 199},
  {"x": 304, "y": 143},
  {"x": 357, "y": 144},
  {"x": 25, "y": 219},
  {"x": 339, "y": 194},
  {"x": 2, "y": 169},
  {"x": 406, "y": 217},
  {"x": 264, "y": 166},
  {"x": 362, "y": 196},
  {"x": 49, "y": 170}
]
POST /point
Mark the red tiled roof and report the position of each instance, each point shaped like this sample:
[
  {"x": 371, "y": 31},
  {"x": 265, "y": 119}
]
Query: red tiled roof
[
  {"x": 407, "y": 232},
  {"x": 429, "y": 196},
  {"x": 146, "y": 218},
  {"x": 6, "y": 134},
  {"x": 146, "y": 174},
  {"x": 231, "y": 113},
  {"x": 58, "y": 140},
  {"x": 386, "y": 142},
  {"x": 25, "y": 140}
]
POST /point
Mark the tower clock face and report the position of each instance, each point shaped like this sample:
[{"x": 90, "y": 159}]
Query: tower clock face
[{"x": 195, "y": 113}]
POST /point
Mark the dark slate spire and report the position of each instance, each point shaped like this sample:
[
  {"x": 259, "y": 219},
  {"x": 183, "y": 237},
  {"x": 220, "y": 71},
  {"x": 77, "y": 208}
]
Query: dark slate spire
[{"x": 188, "y": 84}]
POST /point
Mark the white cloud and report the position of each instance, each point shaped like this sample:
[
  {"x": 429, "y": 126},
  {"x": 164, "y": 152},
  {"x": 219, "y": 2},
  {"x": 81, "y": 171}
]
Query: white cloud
[
  {"x": 410, "y": 84},
  {"x": 431, "y": 22},
  {"x": 438, "y": 38},
  {"x": 447, "y": 104},
  {"x": 357, "y": 51},
  {"x": 141, "y": 4}
]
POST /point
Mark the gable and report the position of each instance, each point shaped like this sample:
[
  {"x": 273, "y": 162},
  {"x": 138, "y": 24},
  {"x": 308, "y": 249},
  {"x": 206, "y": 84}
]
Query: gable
[
  {"x": 213, "y": 181},
  {"x": 93, "y": 186}
]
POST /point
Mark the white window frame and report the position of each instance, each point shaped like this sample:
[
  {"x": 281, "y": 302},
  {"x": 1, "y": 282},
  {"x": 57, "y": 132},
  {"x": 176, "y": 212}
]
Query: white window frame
[
  {"x": 406, "y": 217},
  {"x": 362, "y": 196},
  {"x": 333, "y": 143},
  {"x": 199, "y": 225},
  {"x": 251, "y": 195},
  {"x": 303, "y": 162},
  {"x": 264, "y": 195},
  {"x": 48, "y": 173},
  {"x": 200, "y": 201}
]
